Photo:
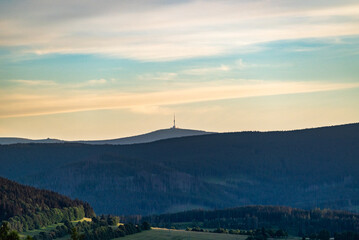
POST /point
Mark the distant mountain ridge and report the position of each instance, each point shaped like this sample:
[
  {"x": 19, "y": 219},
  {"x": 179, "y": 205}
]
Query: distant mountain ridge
[
  {"x": 150, "y": 137},
  {"x": 143, "y": 138},
  {"x": 14, "y": 140},
  {"x": 306, "y": 168}
]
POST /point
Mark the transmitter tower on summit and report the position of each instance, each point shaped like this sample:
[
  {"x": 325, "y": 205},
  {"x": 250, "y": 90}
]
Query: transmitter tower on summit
[{"x": 174, "y": 121}]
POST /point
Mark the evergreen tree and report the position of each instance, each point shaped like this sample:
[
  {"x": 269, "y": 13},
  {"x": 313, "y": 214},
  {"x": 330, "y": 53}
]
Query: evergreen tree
[
  {"x": 5, "y": 233},
  {"x": 146, "y": 226},
  {"x": 13, "y": 236},
  {"x": 323, "y": 235},
  {"x": 75, "y": 235}
]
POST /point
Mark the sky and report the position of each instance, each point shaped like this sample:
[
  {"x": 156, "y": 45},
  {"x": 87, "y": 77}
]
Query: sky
[{"x": 81, "y": 69}]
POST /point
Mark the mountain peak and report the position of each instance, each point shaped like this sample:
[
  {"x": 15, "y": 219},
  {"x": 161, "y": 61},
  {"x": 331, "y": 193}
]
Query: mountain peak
[{"x": 160, "y": 134}]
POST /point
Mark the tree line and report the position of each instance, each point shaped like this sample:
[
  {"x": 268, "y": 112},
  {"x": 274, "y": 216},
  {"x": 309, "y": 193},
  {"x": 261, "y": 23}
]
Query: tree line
[
  {"x": 44, "y": 218},
  {"x": 99, "y": 228},
  {"x": 299, "y": 222},
  {"x": 257, "y": 234}
]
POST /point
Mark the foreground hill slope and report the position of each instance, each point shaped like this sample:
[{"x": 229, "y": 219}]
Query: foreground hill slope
[
  {"x": 303, "y": 168},
  {"x": 26, "y": 208},
  {"x": 18, "y": 200}
]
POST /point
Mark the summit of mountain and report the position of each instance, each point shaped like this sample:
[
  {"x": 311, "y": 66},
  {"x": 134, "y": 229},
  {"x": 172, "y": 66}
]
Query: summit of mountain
[{"x": 151, "y": 136}]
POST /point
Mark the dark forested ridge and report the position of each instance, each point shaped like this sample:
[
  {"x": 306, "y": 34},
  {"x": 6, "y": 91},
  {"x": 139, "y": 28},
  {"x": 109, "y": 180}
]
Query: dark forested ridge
[
  {"x": 19, "y": 200},
  {"x": 24, "y": 208},
  {"x": 303, "y": 168},
  {"x": 296, "y": 221}
]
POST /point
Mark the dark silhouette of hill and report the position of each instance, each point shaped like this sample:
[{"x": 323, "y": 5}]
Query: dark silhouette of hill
[
  {"x": 13, "y": 140},
  {"x": 150, "y": 137},
  {"x": 304, "y": 168},
  {"x": 143, "y": 138},
  {"x": 19, "y": 200}
]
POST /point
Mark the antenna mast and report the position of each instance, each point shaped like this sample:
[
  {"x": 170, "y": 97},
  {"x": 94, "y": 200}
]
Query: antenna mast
[{"x": 174, "y": 120}]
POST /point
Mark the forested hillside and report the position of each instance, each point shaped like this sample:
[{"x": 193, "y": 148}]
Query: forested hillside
[
  {"x": 296, "y": 221},
  {"x": 17, "y": 200},
  {"x": 26, "y": 207},
  {"x": 304, "y": 168}
]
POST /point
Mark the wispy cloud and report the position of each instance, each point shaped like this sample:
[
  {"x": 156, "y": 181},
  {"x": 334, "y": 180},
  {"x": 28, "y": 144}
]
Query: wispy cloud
[
  {"x": 89, "y": 83},
  {"x": 158, "y": 31},
  {"x": 15, "y": 104},
  {"x": 33, "y": 82},
  {"x": 154, "y": 109},
  {"x": 161, "y": 76},
  {"x": 205, "y": 71},
  {"x": 48, "y": 83},
  {"x": 305, "y": 49},
  {"x": 241, "y": 64},
  {"x": 97, "y": 81}
]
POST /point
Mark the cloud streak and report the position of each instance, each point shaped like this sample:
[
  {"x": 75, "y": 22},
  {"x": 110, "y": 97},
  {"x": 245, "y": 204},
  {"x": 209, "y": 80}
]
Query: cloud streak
[
  {"x": 205, "y": 71},
  {"x": 157, "y": 31},
  {"x": 15, "y": 104},
  {"x": 33, "y": 82}
]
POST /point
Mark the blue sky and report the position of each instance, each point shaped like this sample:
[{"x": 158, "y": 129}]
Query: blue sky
[{"x": 93, "y": 70}]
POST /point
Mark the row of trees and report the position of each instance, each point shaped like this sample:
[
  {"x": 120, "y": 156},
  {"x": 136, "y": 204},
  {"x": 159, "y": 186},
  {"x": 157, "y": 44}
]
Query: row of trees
[
  {"x": 300, "y": 222},
  {"x": 103, "y": 228},
  {"x": 44, "y": 218},
  {"x": 346, "y": 236},
  {"x": 322, "y": 235},
  {"x": 100, "y": 228},
  {"x": 264, "y": 234},
  {"x": 325, "y": 235},
  {"x": 58, "y": 232},
  {"x": 258, "y": 234}
]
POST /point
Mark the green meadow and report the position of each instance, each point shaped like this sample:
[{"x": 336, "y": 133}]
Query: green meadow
[
  {"x": 37, "y": 231},
  {"x": 48, "y": 229},
  {"x": 157, "y": 234}
]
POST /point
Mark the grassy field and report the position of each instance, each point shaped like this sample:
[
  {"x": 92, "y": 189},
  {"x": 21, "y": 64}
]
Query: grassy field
[
  {"x": 49, "y": 228},
  {"x": 156, "y": 234},
  {"x": 159, "y": 234},
  {"x": 84, "y": 219},
  {"x": 43, "y": 229}
]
